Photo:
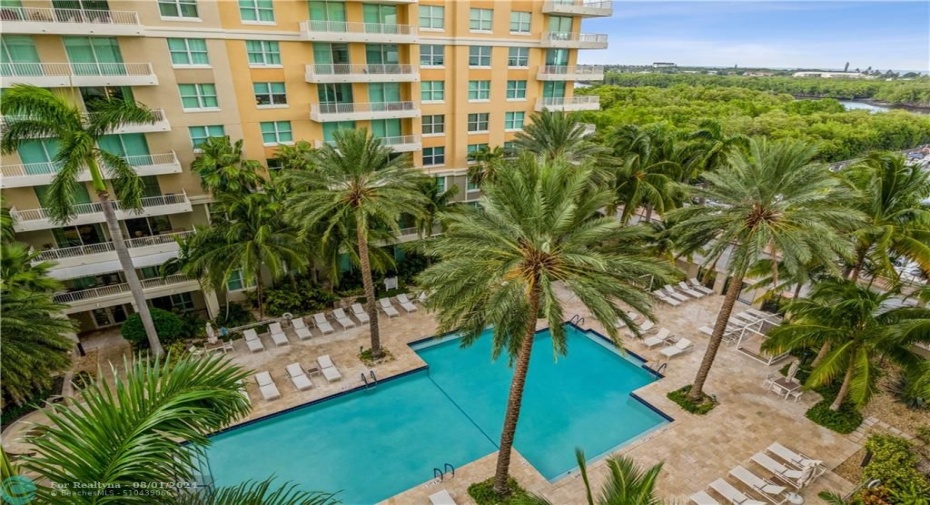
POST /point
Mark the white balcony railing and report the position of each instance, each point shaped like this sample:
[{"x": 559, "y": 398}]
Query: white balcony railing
[
  {"x": 575, "y": 40},
  {"x": 116, "y": 289},
  {"x": 358, "y": 111},
  {"x": 400, "y": 140},
  {"x": 357, "y": 32},
  {"x": 106, "y": 247},
  {"x": 579, "y": 7},
  {"x": 69, "y": 21},
  {"x": 573, "y": 70},
  {"x": 96, "y": 207},
  {"x": 325, "y": 73},
  {"x": 32, "y": 174},
  {"x": 78, "y": 74},
  {"x": 575, "y": 103}
]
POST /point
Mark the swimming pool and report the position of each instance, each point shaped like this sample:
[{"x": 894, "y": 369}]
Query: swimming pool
[{"x": 376, "y": 443}]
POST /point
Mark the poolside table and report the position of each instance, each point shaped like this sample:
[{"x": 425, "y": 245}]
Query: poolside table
[{"x": 784, "y": 387}]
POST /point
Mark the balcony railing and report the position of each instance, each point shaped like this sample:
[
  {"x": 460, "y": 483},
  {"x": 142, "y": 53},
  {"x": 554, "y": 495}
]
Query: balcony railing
[
  {"x": 574, "y": 103},
  {"x": 69, "y": 21},
  {"x": 360, "y": 32},
  {"x": 78, "y": 74},
  {"x": 576, "y": 70},
  {"x": 360, "y": 111},
  {"x": 317, "y": 73},
  {"x": 105, "y": 247},
  {"x": 96, "y": 207},
  {"x": 579, "y": 7},
  {"x": 575, "y": 40},
  {"x": 49, "y": 169},
  {"x": 400, "y": 140},
  {"x": 116, "y": 289}
]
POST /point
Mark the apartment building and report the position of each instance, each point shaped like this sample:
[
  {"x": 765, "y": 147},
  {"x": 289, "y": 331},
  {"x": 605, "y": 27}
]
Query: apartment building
[{"x": 437, "y": 79}]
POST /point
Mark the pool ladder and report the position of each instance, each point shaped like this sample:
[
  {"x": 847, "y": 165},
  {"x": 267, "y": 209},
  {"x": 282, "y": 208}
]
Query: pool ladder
[
  {"x": 441, "y": 474},
  {"x": 374, "y": 379},
  {"x": 577, "y": 320}
]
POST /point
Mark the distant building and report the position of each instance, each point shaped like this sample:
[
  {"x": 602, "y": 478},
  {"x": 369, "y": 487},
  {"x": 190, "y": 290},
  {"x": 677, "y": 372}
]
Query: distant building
[
  {"x": 663, "y": 64},
  {"x": 830, "y": 75},
  {"x": 758, "y": 74}
]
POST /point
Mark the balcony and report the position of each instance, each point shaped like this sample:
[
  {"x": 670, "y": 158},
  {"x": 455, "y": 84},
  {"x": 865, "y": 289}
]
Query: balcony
[
  {"x": 400, "y": 143},
  {"x": 574, "y": 40},
  {"x": 340, "y": 31},
  {"x": 161, "y": 124},
  {"x": 38, "y": 174},
  {"x": 326, "y": 73},
  {"x": 326, "y": 112},
  {"x": 88, "y": 213},
  {"x": 116, "y": 294},
  {"x": 583, "y": 8},
  {"x": 572, "y": 104},
  {"x": 96, "y": 259},
  {"x": 571, "y": 73},
  {"x": 66, "y": 75},
  {"x": 39, "y": 21}
]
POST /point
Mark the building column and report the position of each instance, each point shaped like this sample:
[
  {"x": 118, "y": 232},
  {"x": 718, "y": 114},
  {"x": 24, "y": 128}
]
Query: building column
[{"x": 213, "y": 304}]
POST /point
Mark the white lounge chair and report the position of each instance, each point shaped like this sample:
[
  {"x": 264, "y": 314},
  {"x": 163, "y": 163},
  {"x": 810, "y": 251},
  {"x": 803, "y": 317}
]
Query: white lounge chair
[
  {"x": 277, "y": 334},
  {"x": 328, "y": 368},
  {"x": 405, "y": 303},
  {"x": 300, "y": 328},
  {"x": 666, "y": 299},
  {"x": 632, "y": 316},
  {"x": 797, "y": 459},
  {"x": 778, "y": 470},
  {"x": 252, "y": 340},
  {"x": 657, "y": 339},
  {"x": 243, "y": 391},
  {"x": 682, "y": 346},
  {"x": 670, "y": 291},
  {"x": 696, "y": 284},
  {"x": 388, "y": 308},
  {"x": 442, "y": 497},
  {"x": 343, "y": 319},
  {"x": 422, "y": 297},
  {"x": 769, "y": 491},
  {"x": 733, "y": 495},
  {"x": 267, "y": 386},
  {"x": 359, "y": 312},
  {"x": 644, "y": 329},
  {"x": 320, "y": 321},
  {"x": 686, "y": 289},
  {"x": 702, "y": 498},
  {"x": 298, "y": 377}
]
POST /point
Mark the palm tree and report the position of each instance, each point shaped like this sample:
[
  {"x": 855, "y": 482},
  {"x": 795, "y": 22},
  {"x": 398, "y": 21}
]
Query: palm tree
[
  {"x": 860, "y": 326},
  {"x": 123, "y": 435},
  {"x": 710, "y": 146},
  {"x": 538, "y": 226},
  {"x": 556, "y": 135},
  {"x": 247, "y": 235},
  {"x": 436, "y": 202},
  {"x": 487, "y": 162},
  {"x": 33, "y": 112},
  {"x": 355, "y": 184},
  {"x": 17, "y": 270},
  {"x": 7, "y": 234},
  {"x": 894, "y": 196},
  {"x": 774, "y": 201},
  {"x": 647, "y": 168},
  {"x": 222, "y": 169}
]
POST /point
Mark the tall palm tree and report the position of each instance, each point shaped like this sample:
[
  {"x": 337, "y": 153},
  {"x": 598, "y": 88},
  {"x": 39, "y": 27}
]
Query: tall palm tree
[
  {"x": 249, "y": 235},
  {"x": 557, "y": 135},
  {"x": 773, "y": 201},
  {"x": 7, "y": 234},
  {"x": 861, "y": 326},
  {"x": 647, "y": 169},
  {"x": 538, "y": 226},
  {"x": 17, "y": 270},
  {"x": 710, "y": 146},
  {"x": 894, "y": 199},
  {"x": 436, "y": 202},
  {"x": 487, "y": 163},
  {"x": 355, "y": 184},
  {"x": 33, "y": 112},
  {"x": 223, "y": 170},
  {"x": 127, "y": 434}
]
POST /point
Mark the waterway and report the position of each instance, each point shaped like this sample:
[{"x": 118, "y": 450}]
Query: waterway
[{"x": 875, "y": 108}]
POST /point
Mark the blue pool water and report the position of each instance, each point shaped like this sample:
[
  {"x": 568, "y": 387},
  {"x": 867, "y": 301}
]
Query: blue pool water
[{"x": 374, "y": 444}]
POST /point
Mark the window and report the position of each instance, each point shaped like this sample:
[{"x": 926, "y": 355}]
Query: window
[
  {"x": 514, "y": 120},
  {"x": 256, "y": 11},
  {"x": 471, "y": 186},
  {"x": 235, "y": 282},
  {"x": 200, "y": 133},
  {"x": 432, "y": 56},
  {"x": 178, "y": 8},
  {"x": 432, "y": 17},
  {"x": 518, "y": 57},
  {"x": 480, "y": 19},
  {"x": 474, "y": 149},
  {"x": 269, "y": 94},
  {"x": 516, "y": 90},
  {"x": 441, "y": 184},
  {"x": 554, "y": 89},
  {"x": 519, "y": 22},
  {"x": 182, "y": 301},
  {"x": 188, "y": 52},
  {"x": 198, "y": 96},
  {"x": 381, "y": 54},
  {"x": 478, "y": 123},
  {"x": 277, "y": 132},
  {"x": 263, "y": 53},
  {"x": 479, "y": 90},
  {"x": 557, "y": 57},
  {"x": 434, "y": 156},
  {"x": 433, "y": 91},
  {"x": 510, "y": 149},
  {"x": 17, "y": 49},
  {"x": 560, "y": 24},
  {"x": 434, "y": 125},
  {"x": 479, "y": 56}
]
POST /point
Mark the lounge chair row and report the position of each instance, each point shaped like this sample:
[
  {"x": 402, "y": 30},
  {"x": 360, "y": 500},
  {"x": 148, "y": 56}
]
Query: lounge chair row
[
  {"x": 794, "y": 473},
  {"x": 298, "y": 376},
  {"x": 673, "y": 346},
  {"x": 402, "y": 299},
  {"x": 684, "y": 291}
]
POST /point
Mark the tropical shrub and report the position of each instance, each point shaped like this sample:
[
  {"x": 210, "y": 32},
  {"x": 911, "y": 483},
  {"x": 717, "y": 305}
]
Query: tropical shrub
[
  {"x": 906, "y": 389},
  {"x": 233, "y": 315},
  {"x": 845, "y": 420},
  {"x": 483, "y": 493},
  {"x": 168, "y": 325},
  {"x": 894, "y": 463},
  {"x": 680, "y": 396},
  {"x": 305, "y": 299}
]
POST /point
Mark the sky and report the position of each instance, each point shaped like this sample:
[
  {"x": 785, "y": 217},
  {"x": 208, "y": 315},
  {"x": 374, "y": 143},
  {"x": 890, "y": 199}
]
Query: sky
[{"x": 808, "y": 34}]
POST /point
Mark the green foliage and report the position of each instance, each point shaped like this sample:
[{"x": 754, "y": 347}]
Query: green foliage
[
  {"x": 83, "y": 379},
  {"x": 894, "y": 463},
  {"x": 680, "y": 396},
  {"x": 233, "y": 315},
  {"x": 11, "y": 411},
  {"x": 257, "y": 493},
  {"x": 305, "y": 299},
  {"x": 168, "y": 325},
  {"x": 483, "y": 493},
  {"x": 906, "y": 389},
  {"x": 369, "y": 359},
  {"x": 845, "y": 420},
  {"x": 923, "y": 433}
]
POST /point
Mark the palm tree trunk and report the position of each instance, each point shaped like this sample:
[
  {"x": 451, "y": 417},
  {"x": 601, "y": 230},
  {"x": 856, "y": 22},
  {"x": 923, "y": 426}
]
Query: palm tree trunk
[
  {"x": 857, "y": 268},
  {"x": 369, "y": 284},
  {"x": 515, "y": 400},
  {"x": 649, "y": 213},
  {"x": 821, "y": 354},
  {"x": 258, "y": 293},
  {"x": 132, "y": 279},
  {"x": 797, "y": 290},
  {"x": 838, "y": 402},
  {"x": 723, "y": 317}
]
